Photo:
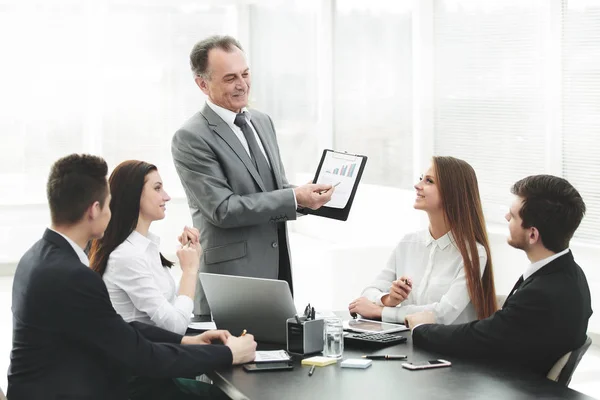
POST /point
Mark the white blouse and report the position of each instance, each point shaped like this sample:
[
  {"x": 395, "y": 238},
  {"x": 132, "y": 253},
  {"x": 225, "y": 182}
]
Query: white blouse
[
  {"x": 141, "y": 289},
  {"x": 439, "y": 281}
]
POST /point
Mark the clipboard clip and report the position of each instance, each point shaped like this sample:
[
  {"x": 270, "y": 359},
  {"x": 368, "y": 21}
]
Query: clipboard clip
[{"x": 343, "y": 156}]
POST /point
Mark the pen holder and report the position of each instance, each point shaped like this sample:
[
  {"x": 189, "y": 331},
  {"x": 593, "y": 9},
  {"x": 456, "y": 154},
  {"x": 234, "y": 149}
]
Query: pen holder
[{"x": 304, "y": 338}]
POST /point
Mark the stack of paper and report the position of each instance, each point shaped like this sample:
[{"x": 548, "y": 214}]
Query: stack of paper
[{"x": 202, "y": 326}]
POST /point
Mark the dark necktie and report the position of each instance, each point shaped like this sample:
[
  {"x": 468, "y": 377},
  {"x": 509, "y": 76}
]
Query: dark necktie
[
  {"x": 266, "y": 174},
  {"x": 515, "y": 288},
  {"x": 259, "y": 160}
]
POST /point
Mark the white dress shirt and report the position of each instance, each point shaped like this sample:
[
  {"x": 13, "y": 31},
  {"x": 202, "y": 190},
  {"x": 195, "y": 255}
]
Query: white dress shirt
[
  {"x": 141, "y": 289},
  {"x": 536, "y": 266},
  {"x": 229, "y": 117},
  {"x": 438, "y": 277},
  {"x": 78, "y": 250}
]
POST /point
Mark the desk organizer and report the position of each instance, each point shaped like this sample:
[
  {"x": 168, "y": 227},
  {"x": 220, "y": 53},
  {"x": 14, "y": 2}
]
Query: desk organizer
[{"x": 305, "y": 337}]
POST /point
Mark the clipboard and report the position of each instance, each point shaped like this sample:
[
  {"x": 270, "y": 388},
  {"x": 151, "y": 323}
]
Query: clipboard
[{"x": 345, "y": 169}]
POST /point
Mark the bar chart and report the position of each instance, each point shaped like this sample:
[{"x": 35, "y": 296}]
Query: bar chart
[
  {"x": 345, "y": 170},
  {"x": 341, "y": 171}
]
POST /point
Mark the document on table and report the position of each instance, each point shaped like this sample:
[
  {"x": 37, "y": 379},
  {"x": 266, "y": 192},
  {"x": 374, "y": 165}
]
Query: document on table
[
  {"x": 271, "y": 356},
  {"x": 202, "y": 326}
]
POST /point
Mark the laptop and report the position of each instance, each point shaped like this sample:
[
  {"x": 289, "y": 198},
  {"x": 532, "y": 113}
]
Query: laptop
[{"x": 260, "y": 306}]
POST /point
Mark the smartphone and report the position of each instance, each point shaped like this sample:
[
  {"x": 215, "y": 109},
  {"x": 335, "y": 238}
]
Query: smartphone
[
  {"x": 269, "y": 366},
  {"x": 427, "y": 365}
]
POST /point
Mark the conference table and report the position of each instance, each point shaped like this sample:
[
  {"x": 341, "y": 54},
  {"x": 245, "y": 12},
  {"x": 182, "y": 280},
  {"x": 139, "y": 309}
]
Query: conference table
[{"x": 465, "y": 379}]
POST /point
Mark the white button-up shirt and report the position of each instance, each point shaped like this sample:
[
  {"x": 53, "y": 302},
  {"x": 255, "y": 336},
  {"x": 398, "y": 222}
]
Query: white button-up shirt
[
  {"x": 141, "y": 289},
  {"x": 229, "y": 117},
  {"x": 536, "y": 266},
  {"x": 78, "y": 250},
  {"x": 438, "y": 276}
]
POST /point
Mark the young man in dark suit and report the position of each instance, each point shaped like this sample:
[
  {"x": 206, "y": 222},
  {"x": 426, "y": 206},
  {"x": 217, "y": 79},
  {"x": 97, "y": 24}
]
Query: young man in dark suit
[
  {"x": 546, "y": 314},
  {"x": 68, "y": 341}
]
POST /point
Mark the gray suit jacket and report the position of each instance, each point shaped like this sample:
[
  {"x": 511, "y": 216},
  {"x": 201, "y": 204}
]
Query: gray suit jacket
[{"x": 236, "y": 217}]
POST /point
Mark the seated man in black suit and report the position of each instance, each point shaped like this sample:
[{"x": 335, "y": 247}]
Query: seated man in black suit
[
  {"x": 68, "y": 341},
  {"x": 546, "y": 314}
]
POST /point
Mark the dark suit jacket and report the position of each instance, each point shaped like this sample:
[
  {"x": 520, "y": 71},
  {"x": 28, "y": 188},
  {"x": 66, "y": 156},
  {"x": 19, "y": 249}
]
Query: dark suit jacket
[
  {"x": 69, "y": 343},
  {"x": 544, "y": 319}
]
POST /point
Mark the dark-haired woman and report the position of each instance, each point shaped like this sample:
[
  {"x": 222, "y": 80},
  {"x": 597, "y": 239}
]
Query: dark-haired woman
[{"x": 136, "y": 274}]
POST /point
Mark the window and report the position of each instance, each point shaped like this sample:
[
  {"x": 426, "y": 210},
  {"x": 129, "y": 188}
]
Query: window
[
  {"x": 148, "y": 90},
  {"x": 43, "y": 77},
  {"x": 581, "y": 108},
  {"x": 488, "y": 99},
  {"x": 284, "y": 65},
  {"x": 109, "y": 78},
  {"x": 514, "y": 87},
  {"x": 373, "y": 88},
  {"x": 99, "y": 76}
]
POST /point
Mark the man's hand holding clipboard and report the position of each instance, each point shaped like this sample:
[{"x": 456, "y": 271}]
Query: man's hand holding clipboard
[{"x": 339, "y": 173}]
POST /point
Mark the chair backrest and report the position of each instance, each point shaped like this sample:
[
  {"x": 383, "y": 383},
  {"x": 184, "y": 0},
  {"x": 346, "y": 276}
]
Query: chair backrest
[{"x": 563, "y": 369}]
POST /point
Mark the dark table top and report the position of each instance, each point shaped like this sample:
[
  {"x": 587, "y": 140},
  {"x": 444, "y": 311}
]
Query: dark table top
[{"x": 465, "y": 379}]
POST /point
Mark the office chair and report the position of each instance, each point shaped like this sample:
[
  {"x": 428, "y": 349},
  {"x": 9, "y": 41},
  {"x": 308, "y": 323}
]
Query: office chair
[{"x": 563, "y": 369}]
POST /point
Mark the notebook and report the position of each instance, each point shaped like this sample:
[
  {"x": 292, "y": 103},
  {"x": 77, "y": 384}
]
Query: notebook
[{"x": 272, "y": 356}]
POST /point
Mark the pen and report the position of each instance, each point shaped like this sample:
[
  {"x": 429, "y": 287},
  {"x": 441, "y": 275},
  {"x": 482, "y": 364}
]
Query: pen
[
  {"x": 307, "y": 310},
  {"x": 325, "y": 191},
  {"x": 312, "y": 370},
  {"x": 407, "y": 283},
  {"x": 386, "y": 357},
  {"x": 243, "y": 333},
  {"x": 298, "y": 319}
]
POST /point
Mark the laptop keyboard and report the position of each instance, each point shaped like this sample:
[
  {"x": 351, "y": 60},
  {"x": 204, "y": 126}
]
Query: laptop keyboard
[{"x": 372, "y": 339}]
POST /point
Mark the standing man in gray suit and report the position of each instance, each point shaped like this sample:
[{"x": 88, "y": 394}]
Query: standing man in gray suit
[{"x": 228, "y": 160}]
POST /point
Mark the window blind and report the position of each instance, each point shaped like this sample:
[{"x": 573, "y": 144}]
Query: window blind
[
  {"x": 488, "y": 105},
  {"x": 581, "y": 108}
]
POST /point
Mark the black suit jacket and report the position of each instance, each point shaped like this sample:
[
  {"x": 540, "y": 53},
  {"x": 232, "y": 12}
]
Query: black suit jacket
[
  {"x": 544, "y": 319},
  {"x": 69, "y": 343}
]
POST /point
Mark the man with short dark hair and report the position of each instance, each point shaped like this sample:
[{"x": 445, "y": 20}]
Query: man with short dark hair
[
  {"x": 228, "y": 160},
  {"x": 546, "y": 314},
  {"x": 68, "y": 341}
]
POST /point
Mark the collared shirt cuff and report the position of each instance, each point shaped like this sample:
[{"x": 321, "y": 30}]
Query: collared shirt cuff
[
  {"x": 295, "y": 200},
  {"x": 378, "y": 299},
  {"x": 415, "y": 327},
  {"x": 390, "y": 314}
]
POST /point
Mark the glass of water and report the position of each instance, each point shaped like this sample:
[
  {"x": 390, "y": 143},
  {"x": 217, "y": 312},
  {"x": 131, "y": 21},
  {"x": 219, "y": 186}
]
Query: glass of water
[{"x": 333, "y": 338}]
